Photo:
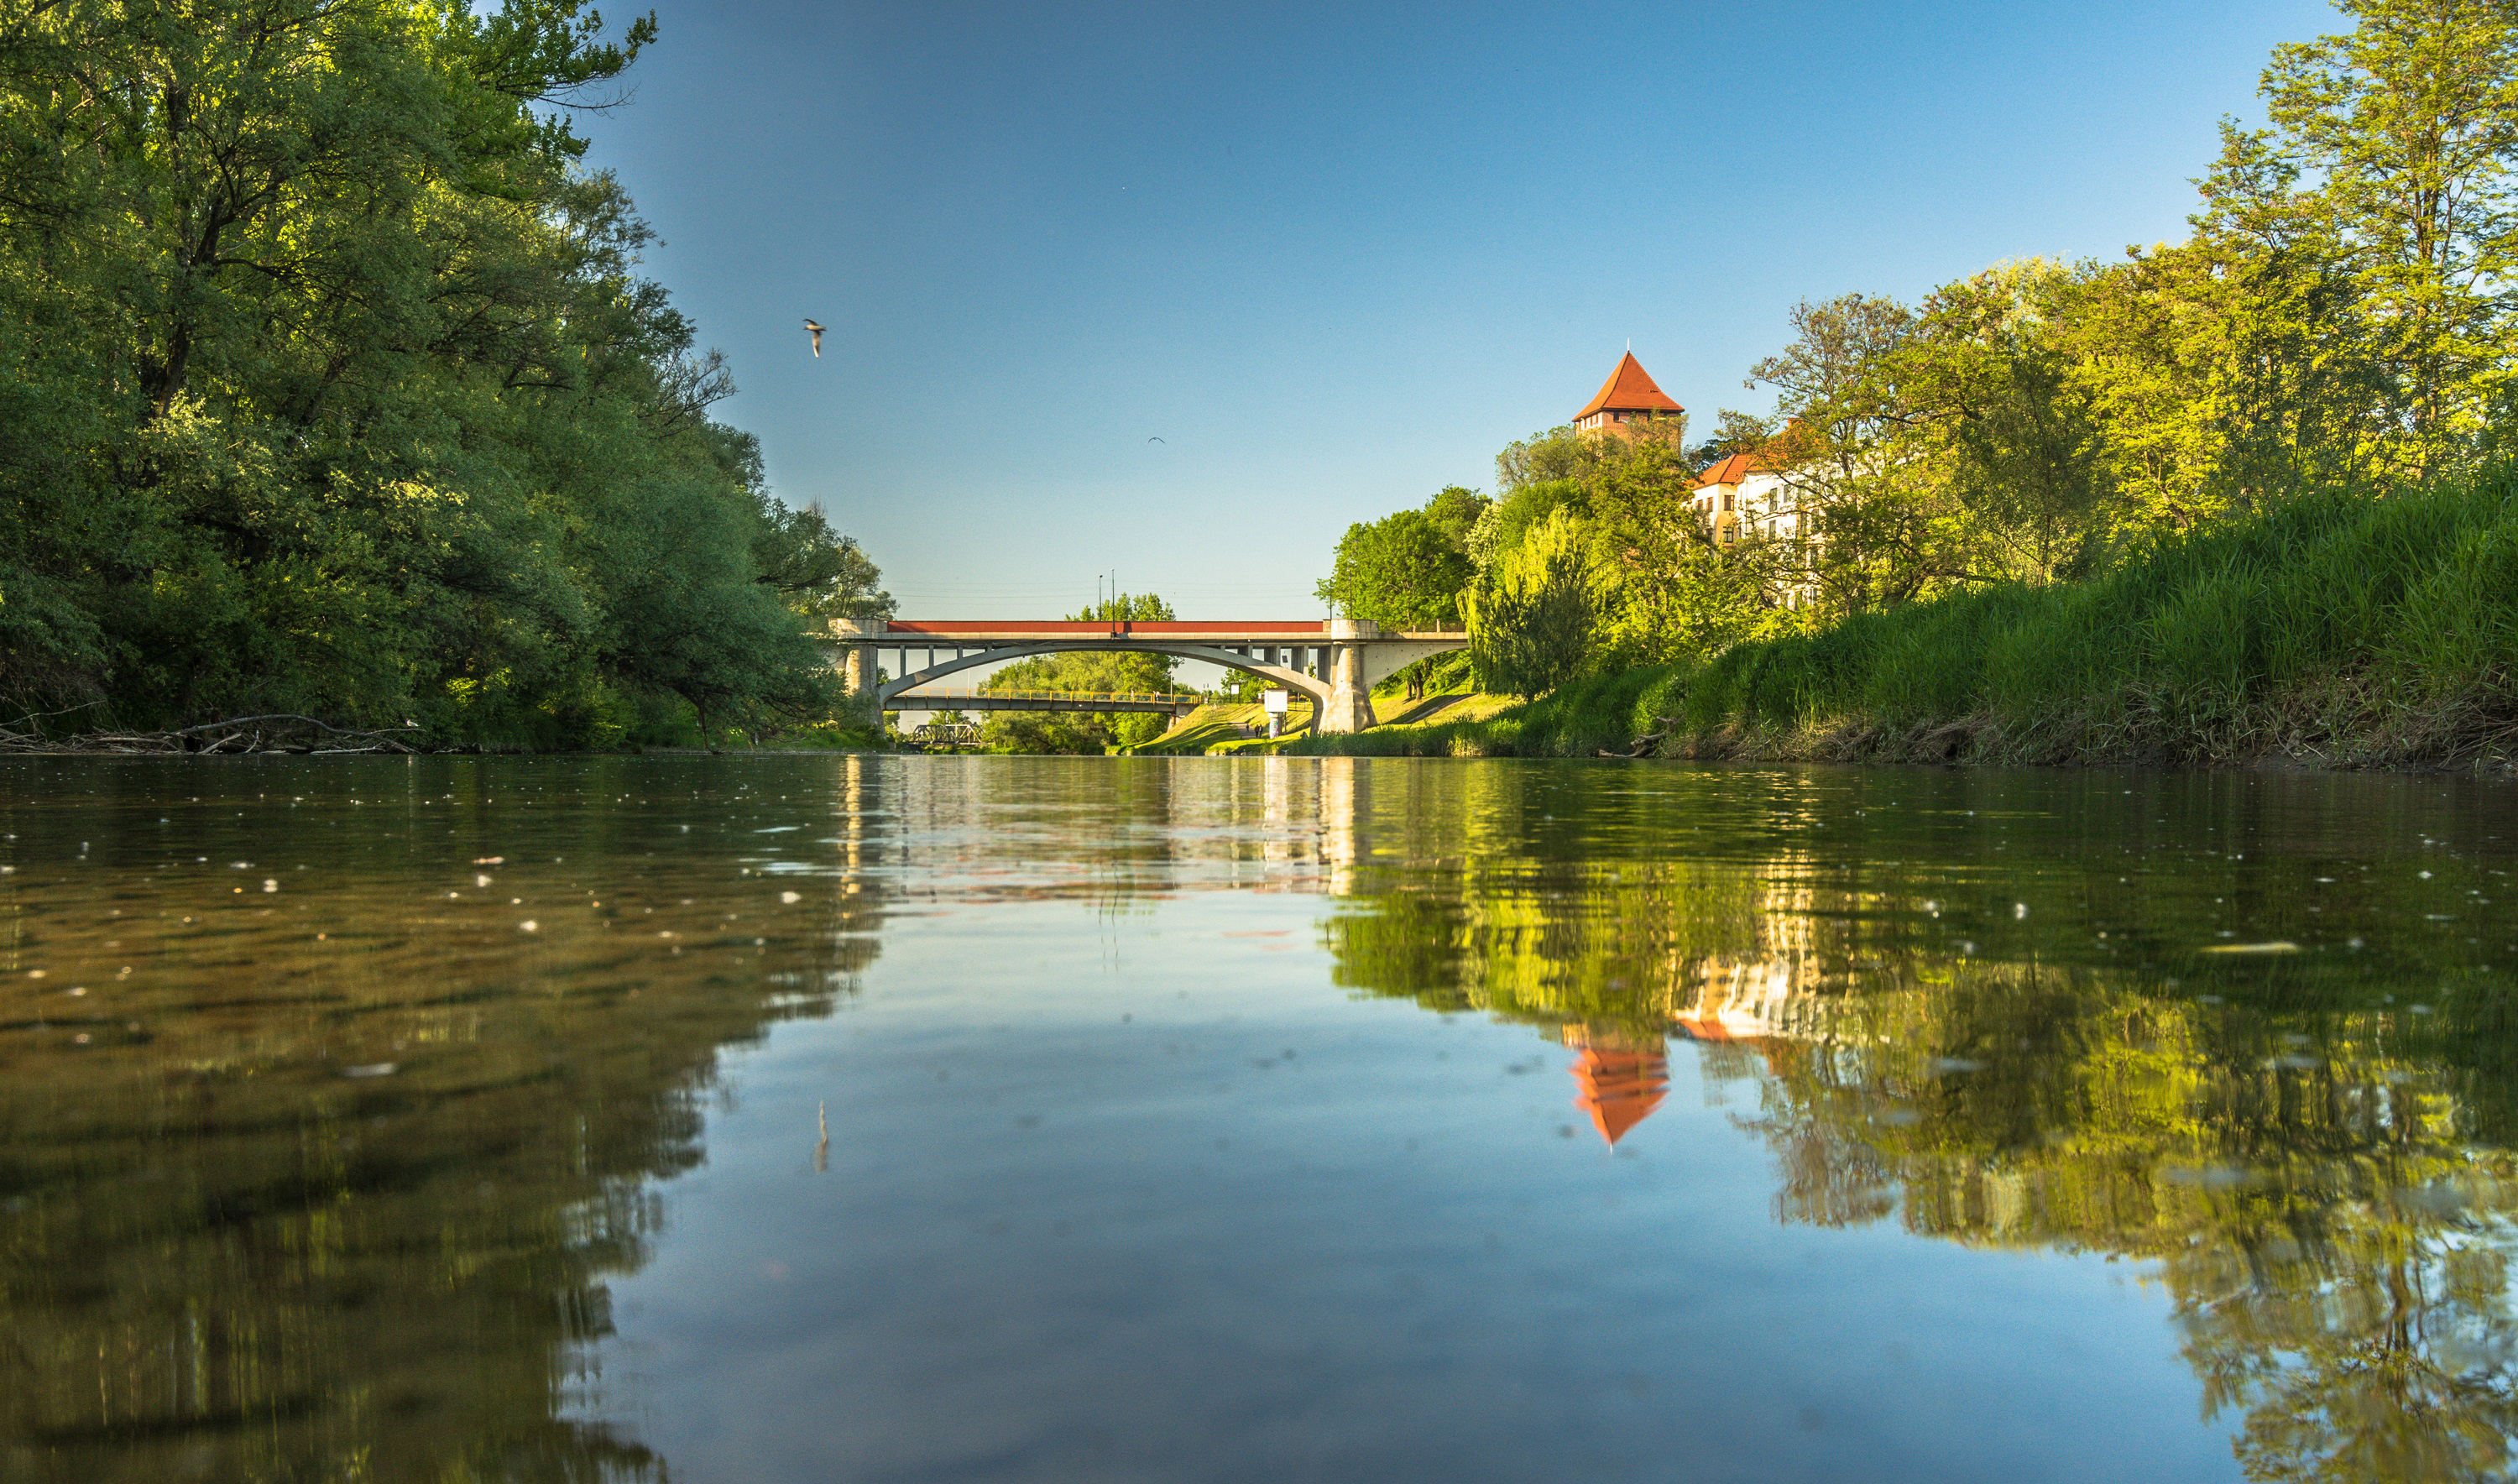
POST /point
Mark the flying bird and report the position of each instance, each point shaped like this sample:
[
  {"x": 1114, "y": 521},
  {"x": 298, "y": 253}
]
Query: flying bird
[
  {"x": 817, "y": 338},
  {"x": 1155, "y": 440}
]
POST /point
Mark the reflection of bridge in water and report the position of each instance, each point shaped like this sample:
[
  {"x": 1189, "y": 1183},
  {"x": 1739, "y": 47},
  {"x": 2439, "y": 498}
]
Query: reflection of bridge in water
[
  {"x": 1333, "y": 664},
  {"x": 1386, "y": 838}
]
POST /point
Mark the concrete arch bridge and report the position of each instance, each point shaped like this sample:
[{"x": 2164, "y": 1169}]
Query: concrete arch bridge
[{"x": 1334, "y": 664}]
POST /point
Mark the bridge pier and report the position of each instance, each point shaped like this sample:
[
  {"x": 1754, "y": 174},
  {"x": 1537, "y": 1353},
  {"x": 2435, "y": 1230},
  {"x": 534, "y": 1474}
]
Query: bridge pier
[
  {"x": 1350, "y": 703},
  {"x": 860, "y": 663}
]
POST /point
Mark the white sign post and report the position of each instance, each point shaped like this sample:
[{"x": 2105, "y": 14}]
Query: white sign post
[{"x": 1275, "y": 701}]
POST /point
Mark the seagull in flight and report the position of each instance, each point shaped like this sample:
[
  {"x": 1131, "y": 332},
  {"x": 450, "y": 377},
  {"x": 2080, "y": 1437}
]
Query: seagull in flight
[
  {"x": 1155, "y": 440},
  {"x": 817, "y": 338}
]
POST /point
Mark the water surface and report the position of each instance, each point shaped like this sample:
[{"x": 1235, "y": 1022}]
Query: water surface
[{"x": 793, "y": 1118}]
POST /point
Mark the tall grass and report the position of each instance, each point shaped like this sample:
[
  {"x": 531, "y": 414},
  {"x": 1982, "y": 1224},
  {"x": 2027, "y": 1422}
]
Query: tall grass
[{"x": 2332, "y": 629}]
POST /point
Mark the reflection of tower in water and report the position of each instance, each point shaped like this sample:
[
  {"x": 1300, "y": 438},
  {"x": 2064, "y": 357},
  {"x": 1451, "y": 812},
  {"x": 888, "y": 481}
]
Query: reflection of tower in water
[{"x": 1617, "y": 1084}]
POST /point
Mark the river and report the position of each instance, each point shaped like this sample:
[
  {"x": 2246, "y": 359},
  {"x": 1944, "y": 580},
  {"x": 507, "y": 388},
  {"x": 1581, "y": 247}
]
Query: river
[{"x": 794, "y": 1118}]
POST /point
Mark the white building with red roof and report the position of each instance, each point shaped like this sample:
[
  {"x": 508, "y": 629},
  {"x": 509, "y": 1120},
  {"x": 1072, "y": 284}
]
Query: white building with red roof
[{"x": 1744, "y": 494}]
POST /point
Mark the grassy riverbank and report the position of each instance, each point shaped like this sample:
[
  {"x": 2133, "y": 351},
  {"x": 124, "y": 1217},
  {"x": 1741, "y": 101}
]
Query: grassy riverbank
[
  {"x": 1223, "y": 726},
  {"x": 2330, "y": 631},
  {"x": 1224, "y": 729}
]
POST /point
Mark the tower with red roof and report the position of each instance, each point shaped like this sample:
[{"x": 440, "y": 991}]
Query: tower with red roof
[{"x": 1629, "y": 394}]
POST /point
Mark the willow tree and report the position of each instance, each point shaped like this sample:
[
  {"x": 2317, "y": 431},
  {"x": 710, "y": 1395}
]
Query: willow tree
[{"x": 1531, "y": 615}]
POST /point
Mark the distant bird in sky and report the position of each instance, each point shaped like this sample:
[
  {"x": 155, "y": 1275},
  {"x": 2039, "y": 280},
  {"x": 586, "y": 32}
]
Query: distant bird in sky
[
  {"x": 817, "y": 338},
  {"x": 1153, "y": 440}
]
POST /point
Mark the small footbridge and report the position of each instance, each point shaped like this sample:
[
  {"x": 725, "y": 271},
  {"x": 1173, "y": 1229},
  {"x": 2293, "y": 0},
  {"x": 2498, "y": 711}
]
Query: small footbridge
[{"x": 1334, "y": 664}]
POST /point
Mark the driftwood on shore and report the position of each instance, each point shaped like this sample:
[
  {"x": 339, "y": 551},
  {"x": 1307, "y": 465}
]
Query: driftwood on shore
[
  {"x": 1662, "y": 727},
  {"x": 276, "y": 732}
]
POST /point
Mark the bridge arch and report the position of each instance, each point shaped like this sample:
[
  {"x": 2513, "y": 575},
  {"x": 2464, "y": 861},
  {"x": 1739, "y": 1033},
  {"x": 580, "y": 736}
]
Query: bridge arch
[
  {"x": 1355, "y": 654},
  {"x": 1317, "y": 691}
]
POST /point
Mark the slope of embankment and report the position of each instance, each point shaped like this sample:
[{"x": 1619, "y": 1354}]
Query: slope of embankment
[{"x": 2333, "y": 629}]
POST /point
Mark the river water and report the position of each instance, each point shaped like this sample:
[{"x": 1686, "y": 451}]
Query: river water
[{"x": 868, "y": 1118}]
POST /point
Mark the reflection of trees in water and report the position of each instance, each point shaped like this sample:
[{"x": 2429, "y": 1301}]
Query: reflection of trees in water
[
  {"x": 225, "y": 1255},
  {"x": 2336, "y": 1244},
  {"x": 2320, "y": 1177},
  {"x": 2367, "y": 1337}
]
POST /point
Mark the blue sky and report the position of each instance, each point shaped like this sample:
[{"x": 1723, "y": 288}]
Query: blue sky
[{"x": 1334, "y": 257}]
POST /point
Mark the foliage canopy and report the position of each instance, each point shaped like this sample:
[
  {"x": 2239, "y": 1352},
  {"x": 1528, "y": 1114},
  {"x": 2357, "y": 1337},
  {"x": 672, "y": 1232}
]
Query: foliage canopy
[{"x": 328, "y": 383}]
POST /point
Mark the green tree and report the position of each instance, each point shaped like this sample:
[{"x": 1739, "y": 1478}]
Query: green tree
[
  {"x": 1531, "y": 615},
  {"x": 1403, "y": 571},
  {"x": 1566, "y": 453},
  {"x": 1665, "y": 591},
  {"x": 328, "y": 383},
  {"x": 818, "y": 572},
  {"x": 1505, "y": 524},
  {"x": 1995, "y": 417},
  {"x": 2405, "y": 131},
  {"x": 1881, "y": 522},
  {"x": 1408, "y": 571},
  {"x": 1736, "y": 432},
  {"x": 1454, "y": 509},
  {"x": 2224, "y": 369},
  {"x": 1656, "y": 587}
]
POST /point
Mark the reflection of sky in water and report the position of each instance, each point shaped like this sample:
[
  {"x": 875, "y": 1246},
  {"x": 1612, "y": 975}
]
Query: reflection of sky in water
[
  {"x": 1087, "y": 1218},
  {"x": 1261, "y": 1118}
]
